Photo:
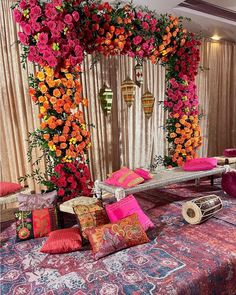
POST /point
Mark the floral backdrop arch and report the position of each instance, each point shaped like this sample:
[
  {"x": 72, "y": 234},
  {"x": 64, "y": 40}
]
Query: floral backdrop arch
[{"x": 56, "y": 35}]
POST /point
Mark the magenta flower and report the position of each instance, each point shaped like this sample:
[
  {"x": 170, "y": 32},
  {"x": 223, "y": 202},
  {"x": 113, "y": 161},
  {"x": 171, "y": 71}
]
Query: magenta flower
[
  {"x": 75, "y": 15},
  {"x": 137, "y": 40},
  {"x": 23, "y": 5},
  {"x": 68, "y": 19},
  {"x": 24, "y": 39},
  {"x": 145, "y": 25},
  {"x": 35, "y": 12},
  {"x": 43, "y": 38},
  {"x": 139, "y": 15},
  {"x": 27, "y": 29},
  {"x": 17, "y": 15}
]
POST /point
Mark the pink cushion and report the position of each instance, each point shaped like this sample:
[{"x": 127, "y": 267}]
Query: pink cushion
[
  {"x": 126, "y": 207},
  {"x": 200, "y": 164},
  {"x": 230, "y": 153},
  {"x": 228, "y": 183},
  {"x": 124, "y": 178},
  {"x": 7, "y": 188},
  {"x": 146, "y": 175},
  {"x": 36, "y": 201}
]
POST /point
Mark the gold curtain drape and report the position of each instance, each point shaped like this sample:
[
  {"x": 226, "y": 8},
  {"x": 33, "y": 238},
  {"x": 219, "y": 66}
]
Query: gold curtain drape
[{"x": 125, "y": 137}]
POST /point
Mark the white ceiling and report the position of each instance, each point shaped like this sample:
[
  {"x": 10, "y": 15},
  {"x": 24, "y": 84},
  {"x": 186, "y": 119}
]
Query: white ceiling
[{"x": 201, "y": 22}]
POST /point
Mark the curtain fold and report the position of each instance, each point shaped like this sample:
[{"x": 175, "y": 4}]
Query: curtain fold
[{"x": 125, "y": 137}]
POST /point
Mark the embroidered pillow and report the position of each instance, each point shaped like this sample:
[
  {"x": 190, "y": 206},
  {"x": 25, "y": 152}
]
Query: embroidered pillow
[
  {"x": 7, "y": 188},
  {"x": 126, "y": 207},
  {"x": 125, "y": 178},
  {"x": 200, "y": 164},
  {"x": 35, "y": 224},
  {"x": 112, "y": 237},
  {"x": 89, "y": 216},
  {"x": 36, "y": 201},
  {"x": 145, "y": 174},
  {"x": 63, "y": 241},
  {"x": 68, "y": 205}
]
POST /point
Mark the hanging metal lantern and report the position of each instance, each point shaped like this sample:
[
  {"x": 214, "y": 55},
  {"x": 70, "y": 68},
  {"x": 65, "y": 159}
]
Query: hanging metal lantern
[
  {"x": 138, "y": 69},
  {"x": 128, "y": 91},
  {"x": 148, "y": 103},
  {"x": 106, "y": 95}
]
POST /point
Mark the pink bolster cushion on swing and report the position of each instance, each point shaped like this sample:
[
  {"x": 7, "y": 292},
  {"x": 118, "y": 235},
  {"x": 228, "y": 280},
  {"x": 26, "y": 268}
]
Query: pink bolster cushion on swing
[
  {"x": 230, "y": 153},
  {"x": 146, "y": 175},
  {"x": 200, "y": 164}
]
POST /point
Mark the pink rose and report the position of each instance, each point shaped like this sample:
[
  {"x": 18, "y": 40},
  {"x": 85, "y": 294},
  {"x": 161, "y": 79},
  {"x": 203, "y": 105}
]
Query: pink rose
[
  {"x": 145, "y": 46},
  {"x": 139, "y": 15},
  {"x": 52, "y": 61},
  {"x": 43, "y": 38},
  {"x": 137, "y": 40},
  {"x": 35, "y": 12},
  {"x": 36, "y": 26},
  {"x": 27, "y": 29},
  {"x": 23, "y": 4},
  {"x": 24, "y": 39},
  {"x": 75, "y": 15},
  {"x": 17, "y": 15},
  {"x": 68, "y": 19},
  {"x": 145, "y": 25},
  {"x": 61, "y": 192}
]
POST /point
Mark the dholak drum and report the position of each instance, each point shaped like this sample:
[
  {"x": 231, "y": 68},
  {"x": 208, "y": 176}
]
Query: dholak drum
[{"x": 200, "y": 209}]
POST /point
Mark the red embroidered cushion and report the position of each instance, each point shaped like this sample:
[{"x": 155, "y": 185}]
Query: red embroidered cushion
[
  {"x": 112, "y": 237},
  {"x": 230, "y": 153},
  {"x": 35, "y": 223},
  {"x": 200, "y": 164},
  {"x": 63, "y": 241},
  {"x": 143, "y": 173},
  {"x": 228, "y": 183},
  {"x": 126, "y": 207},
  {"x": 36, "y": 201},
  {"x": 91, "y": 215},
  {"x": 124, "y": 178},
  {"x": 7, "y": 188}
]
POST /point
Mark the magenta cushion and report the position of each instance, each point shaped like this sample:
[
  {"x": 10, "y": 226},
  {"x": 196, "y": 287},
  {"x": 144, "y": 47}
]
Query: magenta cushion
[
  {"x": 7, "y": 188},
  {"x": 126, "y": 207},
  {"x": 124, "y": 178},
  {"x": 228, "y": 183},
  {"x": 230, "y": 152},
  {"x": 146, "y": 175},
  {"x": 200, "y": 164}
]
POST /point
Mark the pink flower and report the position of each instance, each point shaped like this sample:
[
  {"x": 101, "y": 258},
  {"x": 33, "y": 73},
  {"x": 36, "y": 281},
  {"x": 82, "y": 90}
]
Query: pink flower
[
  {"x": 145, "y": 25},
  {"x": 52, "y": 61},
  {"x": 75, "y": 15},
  {"x": 27, "y": 29},
  {"x": 35, "y": 12},
  {"x": 17, "y": 15},
  {"x": 139, "y": 15},
  {"x": 50, "y": 11},
  {"x": 23, "y": 4},
  {"x": 68, "y": 19},
  {"x": 43, "y": 38},
  {"x": 23, "y": 38},
  {"x": 36, "y": 26},
  {"x": 145, "y": 46},
  {"x": 137, "y": 40}
]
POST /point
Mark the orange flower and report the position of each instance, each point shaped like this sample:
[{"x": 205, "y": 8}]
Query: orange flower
[
  {"x": 176, "y": 116},
  {"x": 43, "y": 88},
  {"x": 55, "y": 138},
  {"x": 51, "y": 83},
  {"x": 58, "y": 153},
  {"x": 43, "y": 125},
  {"x": 41, "y": 99},
  {"x": 177, "y": 125},
  {"x": 53, "y": 100},
  {"x": 40, "y": 76},
  {"x": 46, "y": 136},
  {"x": 173, "y": 135},
  {"x": 52, "y": 126},
  {"x": 62, "y": 138},
  {"x": 63, "y": 145},
  {"x": 49, "y": 71},
  {"x": 56, "y": 92},
  {"x": 32, "y": 91}
]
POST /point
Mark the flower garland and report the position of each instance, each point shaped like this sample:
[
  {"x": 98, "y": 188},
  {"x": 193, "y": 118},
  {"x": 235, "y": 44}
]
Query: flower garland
[{"x": 57, "y": 35}]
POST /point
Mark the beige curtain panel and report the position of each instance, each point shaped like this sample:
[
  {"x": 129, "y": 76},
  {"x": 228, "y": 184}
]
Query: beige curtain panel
[{"x": 125, "y": 137}]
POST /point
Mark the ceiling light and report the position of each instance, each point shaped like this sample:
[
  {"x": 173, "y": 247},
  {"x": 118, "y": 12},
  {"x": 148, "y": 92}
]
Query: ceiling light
[{"x": 215, "y": 37}]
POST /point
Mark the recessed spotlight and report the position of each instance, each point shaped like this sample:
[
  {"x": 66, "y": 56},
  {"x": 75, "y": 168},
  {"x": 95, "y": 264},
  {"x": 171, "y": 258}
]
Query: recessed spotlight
[{"x": 215, "y": 37}]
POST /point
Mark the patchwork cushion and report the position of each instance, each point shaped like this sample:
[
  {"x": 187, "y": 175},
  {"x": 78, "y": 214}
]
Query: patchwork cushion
[
  {"x": 230, "y": 152},
  {"x": 89, "y": 216},
  {"x": 200, "y": 164},
  {"x": 68, "y": 205},
  {"x": 228, "y": 183},
  {"x": 63, "y": 241},
  {"x": 145, "y": 174},
  {"x": 124, "y": 178},
  {"x": 35, "y": 223},
  {"x": 126, "y": 207},
  {"x": 110, "y": 238},
  {"x": 36, "y": 201},
  {"x": 9, "y": 188}
]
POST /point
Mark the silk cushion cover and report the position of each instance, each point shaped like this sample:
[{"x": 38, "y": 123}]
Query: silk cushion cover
[
  {"x": 124, "y": 178},
  {"x": 146, "y": 175},
  {"x": 200, "y": 164},
  {"x": 228, "y": 183},
  {"x": 35, "y": 223},
  {"x": 112, "y": 237},
  {"x": 68, "y": 205},
  {"x": 63, "y": 241},
  {"x": 89, "y": 216},
  {"x": 126, "y": 207},
  {"x": 9, "y": 188},
  {"x": 36, "y": 201}
]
